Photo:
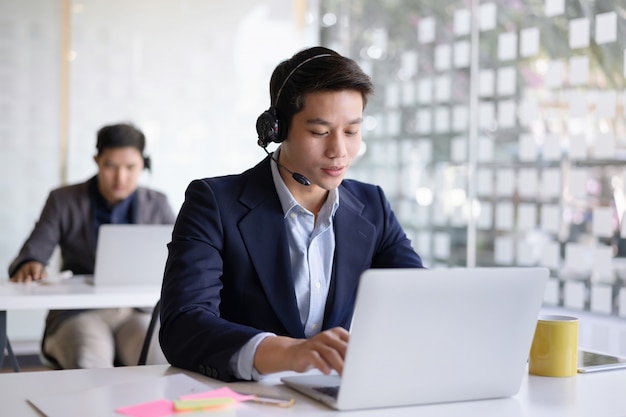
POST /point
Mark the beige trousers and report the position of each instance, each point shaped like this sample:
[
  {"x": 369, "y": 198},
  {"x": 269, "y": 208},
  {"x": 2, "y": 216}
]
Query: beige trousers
[{"x": 95, "y": 338}]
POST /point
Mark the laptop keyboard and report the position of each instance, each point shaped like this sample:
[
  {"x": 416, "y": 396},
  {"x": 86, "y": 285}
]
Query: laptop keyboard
[{"x": 330, "y": 391}]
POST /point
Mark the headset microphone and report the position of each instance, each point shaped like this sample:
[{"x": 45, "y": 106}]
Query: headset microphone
[{"x": 299, "y": 178}]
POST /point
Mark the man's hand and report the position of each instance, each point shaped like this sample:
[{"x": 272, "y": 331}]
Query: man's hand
[
  {"x": 30, "y": 271},
  {"x": 325, "y": 351}
]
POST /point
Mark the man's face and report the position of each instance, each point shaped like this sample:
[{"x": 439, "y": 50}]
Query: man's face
[
  {"x": 323, "y": 139},
  {"x": 118, "y": 172}
]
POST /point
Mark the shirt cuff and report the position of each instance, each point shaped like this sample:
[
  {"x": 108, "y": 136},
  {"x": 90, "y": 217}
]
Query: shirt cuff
[{"x": 242, "y": 362}]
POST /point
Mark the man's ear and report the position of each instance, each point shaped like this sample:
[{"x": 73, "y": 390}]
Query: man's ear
[{"x": 95, "y": 158}]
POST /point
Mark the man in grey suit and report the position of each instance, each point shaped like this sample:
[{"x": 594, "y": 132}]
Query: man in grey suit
[{"x": 70, "y": 219}]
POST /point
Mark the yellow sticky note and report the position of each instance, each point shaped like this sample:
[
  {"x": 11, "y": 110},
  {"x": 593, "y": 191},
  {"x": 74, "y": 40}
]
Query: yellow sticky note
[{"x": 202, "y": 403}]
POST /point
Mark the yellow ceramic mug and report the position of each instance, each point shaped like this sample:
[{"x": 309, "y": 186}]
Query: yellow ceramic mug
[{"x": 554, "y": 351}]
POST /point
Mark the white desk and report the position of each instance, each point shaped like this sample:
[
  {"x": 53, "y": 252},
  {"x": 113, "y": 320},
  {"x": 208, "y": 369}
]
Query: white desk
[
  {"x": 73, "y": 293},
  {"x": 590, "y": 395}
]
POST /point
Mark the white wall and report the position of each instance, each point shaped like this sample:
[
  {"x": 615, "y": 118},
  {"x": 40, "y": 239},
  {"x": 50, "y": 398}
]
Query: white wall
[{"x": 193, "y": 74}]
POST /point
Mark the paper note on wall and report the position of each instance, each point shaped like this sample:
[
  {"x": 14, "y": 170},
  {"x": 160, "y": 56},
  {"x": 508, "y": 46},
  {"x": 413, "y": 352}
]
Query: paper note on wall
[
  {"x": 577, "y": 147},
  {"x": 503, "y": 250},
  {"x": 527, "y": 182},
  {"x": 462, "y": 22},
  {"x": 392, "y": 95},
  {"x": 426, "y": 30},
  {"x": 506, "y": 114},
  {"x": 484, "y": 182},
  {"x": 507, "y": 46},
  {"x": 461, "y": 55},
  {"x": 485, "y": 149},
  {"x": 442, "y": 88},
  {"x": 550, "y": 255},
  {"x": 577, "y": 257},
  {"x": 577, "y": 104},
  {"x": 485, "y": 217},
  {"x": 604, "y": 147},
  {"x": 606, "y": 27},
  {"x": 554, "y": 7},
  {"x": 602, "y": 265},
  {"x": 526, "y": 217},
  {"x": 552, "y": 148},
  {"x": 442, "y": 119},
  {"x": 408, "y": 93},
  {"x": 579, "y": 33},
  {"x": 486, "y": 115},
  {"x": 487, "y": 16},
  {"x": 460, "y": 118},
  {"x": 506, "y": 84},
  {"x": 550, "y": 183},
  {"x": 505, "y": 182},
  {"x": 579, "y": 70},
  {"x": 554, "y": 74},
  {"x": 504, "y": 216},
  {"x": 442, "y": 245},
  {"x": 577, "y": 182},
  {"x": 458, "y": 149},
  {"x": 486, "y": 83},
  {"x": 601, "y": 298},
  {"x": 602, "y": 224},
  {"x": 550, "y": 216},
  {"x": 525, "y": 253},
  {"x": 527, "y": 148},
  {"x": 606, "y": 102},
  {"x": 424, "y": 121},
  {"x": 424, "y": 91},
  {"x": 529, "y": 42},
  {"x": 443, "y": 55},
  {"x": 574, "y": 295}
]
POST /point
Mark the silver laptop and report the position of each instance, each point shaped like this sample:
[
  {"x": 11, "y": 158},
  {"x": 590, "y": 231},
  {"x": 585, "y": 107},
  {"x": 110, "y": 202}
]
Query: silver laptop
[
  {"x": 131, "y": 254},
  {"x": 430, "y": 336}
]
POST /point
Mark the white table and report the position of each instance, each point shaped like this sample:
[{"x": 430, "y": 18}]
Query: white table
[
  {"x": 70, "y": 294},
  {"x": 585, "y": 395}
]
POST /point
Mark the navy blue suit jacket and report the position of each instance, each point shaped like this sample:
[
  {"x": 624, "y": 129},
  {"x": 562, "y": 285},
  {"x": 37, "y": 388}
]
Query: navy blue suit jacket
[{"x": 228, "y": 274}]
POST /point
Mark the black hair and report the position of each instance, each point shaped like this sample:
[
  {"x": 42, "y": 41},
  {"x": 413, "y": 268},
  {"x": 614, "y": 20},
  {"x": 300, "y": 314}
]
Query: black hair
[
  {"x": 122, "y": 135},
  {"x": 324, "y": 70}
]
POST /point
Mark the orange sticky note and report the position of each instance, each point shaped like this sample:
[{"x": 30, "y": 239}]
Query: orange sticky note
[{"x": 224, "y": 392}]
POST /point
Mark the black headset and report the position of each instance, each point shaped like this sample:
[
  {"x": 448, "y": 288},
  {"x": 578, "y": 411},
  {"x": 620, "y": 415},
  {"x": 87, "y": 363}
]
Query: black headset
[{"x": 270, "y": 126}]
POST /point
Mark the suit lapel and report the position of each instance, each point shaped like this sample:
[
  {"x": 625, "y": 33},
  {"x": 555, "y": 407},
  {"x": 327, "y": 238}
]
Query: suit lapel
[{"x": 263, "y": 231}]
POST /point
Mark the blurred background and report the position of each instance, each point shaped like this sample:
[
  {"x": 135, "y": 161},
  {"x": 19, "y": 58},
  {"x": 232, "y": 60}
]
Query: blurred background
[{"x": 497, "y": 127}]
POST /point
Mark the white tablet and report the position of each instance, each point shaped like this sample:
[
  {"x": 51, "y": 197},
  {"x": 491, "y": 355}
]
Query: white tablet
[{"x": 595, "y": 361}]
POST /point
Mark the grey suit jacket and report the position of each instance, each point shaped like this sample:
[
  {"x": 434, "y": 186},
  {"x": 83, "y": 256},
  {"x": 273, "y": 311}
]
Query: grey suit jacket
[{"x": 66, "y": 221}]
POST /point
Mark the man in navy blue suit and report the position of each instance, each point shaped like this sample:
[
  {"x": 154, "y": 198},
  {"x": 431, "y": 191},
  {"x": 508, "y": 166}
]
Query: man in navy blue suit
[{"x": 263, "y": 266}]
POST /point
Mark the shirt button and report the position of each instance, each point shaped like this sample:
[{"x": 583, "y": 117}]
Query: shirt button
[
  {"x": 293, "y": 215},
  {"x": 318, "y": 285},
  {"x": 314, "y": 326}
]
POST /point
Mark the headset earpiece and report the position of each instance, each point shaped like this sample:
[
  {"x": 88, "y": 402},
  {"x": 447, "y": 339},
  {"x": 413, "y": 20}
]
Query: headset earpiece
[
  {"x": 147, "y": 163},
  {"x": 267, "y": 127}
]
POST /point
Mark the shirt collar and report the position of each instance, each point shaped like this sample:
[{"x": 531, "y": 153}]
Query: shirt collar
[{"x": 288, "y": 202}]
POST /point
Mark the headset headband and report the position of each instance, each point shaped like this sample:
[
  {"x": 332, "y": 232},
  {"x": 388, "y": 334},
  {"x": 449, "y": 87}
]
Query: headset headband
[{"x": 280, "y": 90}]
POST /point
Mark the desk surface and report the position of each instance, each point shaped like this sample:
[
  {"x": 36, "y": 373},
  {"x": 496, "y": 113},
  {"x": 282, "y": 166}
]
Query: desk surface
[
  {"x": 598, "y": 395},
  {"x": 74, "y": 293}
]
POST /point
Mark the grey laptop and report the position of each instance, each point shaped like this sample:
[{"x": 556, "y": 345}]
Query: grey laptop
[
  {"x": 431, "y": 336},
  {"x": 131, "y": 254}
]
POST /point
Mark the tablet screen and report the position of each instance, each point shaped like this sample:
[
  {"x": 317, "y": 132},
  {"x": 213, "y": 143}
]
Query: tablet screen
[{"x": 593, "y": 361}]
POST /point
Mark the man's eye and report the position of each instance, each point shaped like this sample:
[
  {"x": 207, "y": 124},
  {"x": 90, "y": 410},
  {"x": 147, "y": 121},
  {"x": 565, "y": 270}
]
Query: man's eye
[{"x": 319, "y": 133}]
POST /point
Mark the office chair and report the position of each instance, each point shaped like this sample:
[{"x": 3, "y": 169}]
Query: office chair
[{"x": 154, "y": 319}]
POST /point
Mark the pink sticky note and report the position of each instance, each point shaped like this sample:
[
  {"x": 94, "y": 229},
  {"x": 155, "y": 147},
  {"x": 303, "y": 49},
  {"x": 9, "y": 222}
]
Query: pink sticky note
[
  {"x": 224, "y": 392},
  {"x": 158, "y": 408}
]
